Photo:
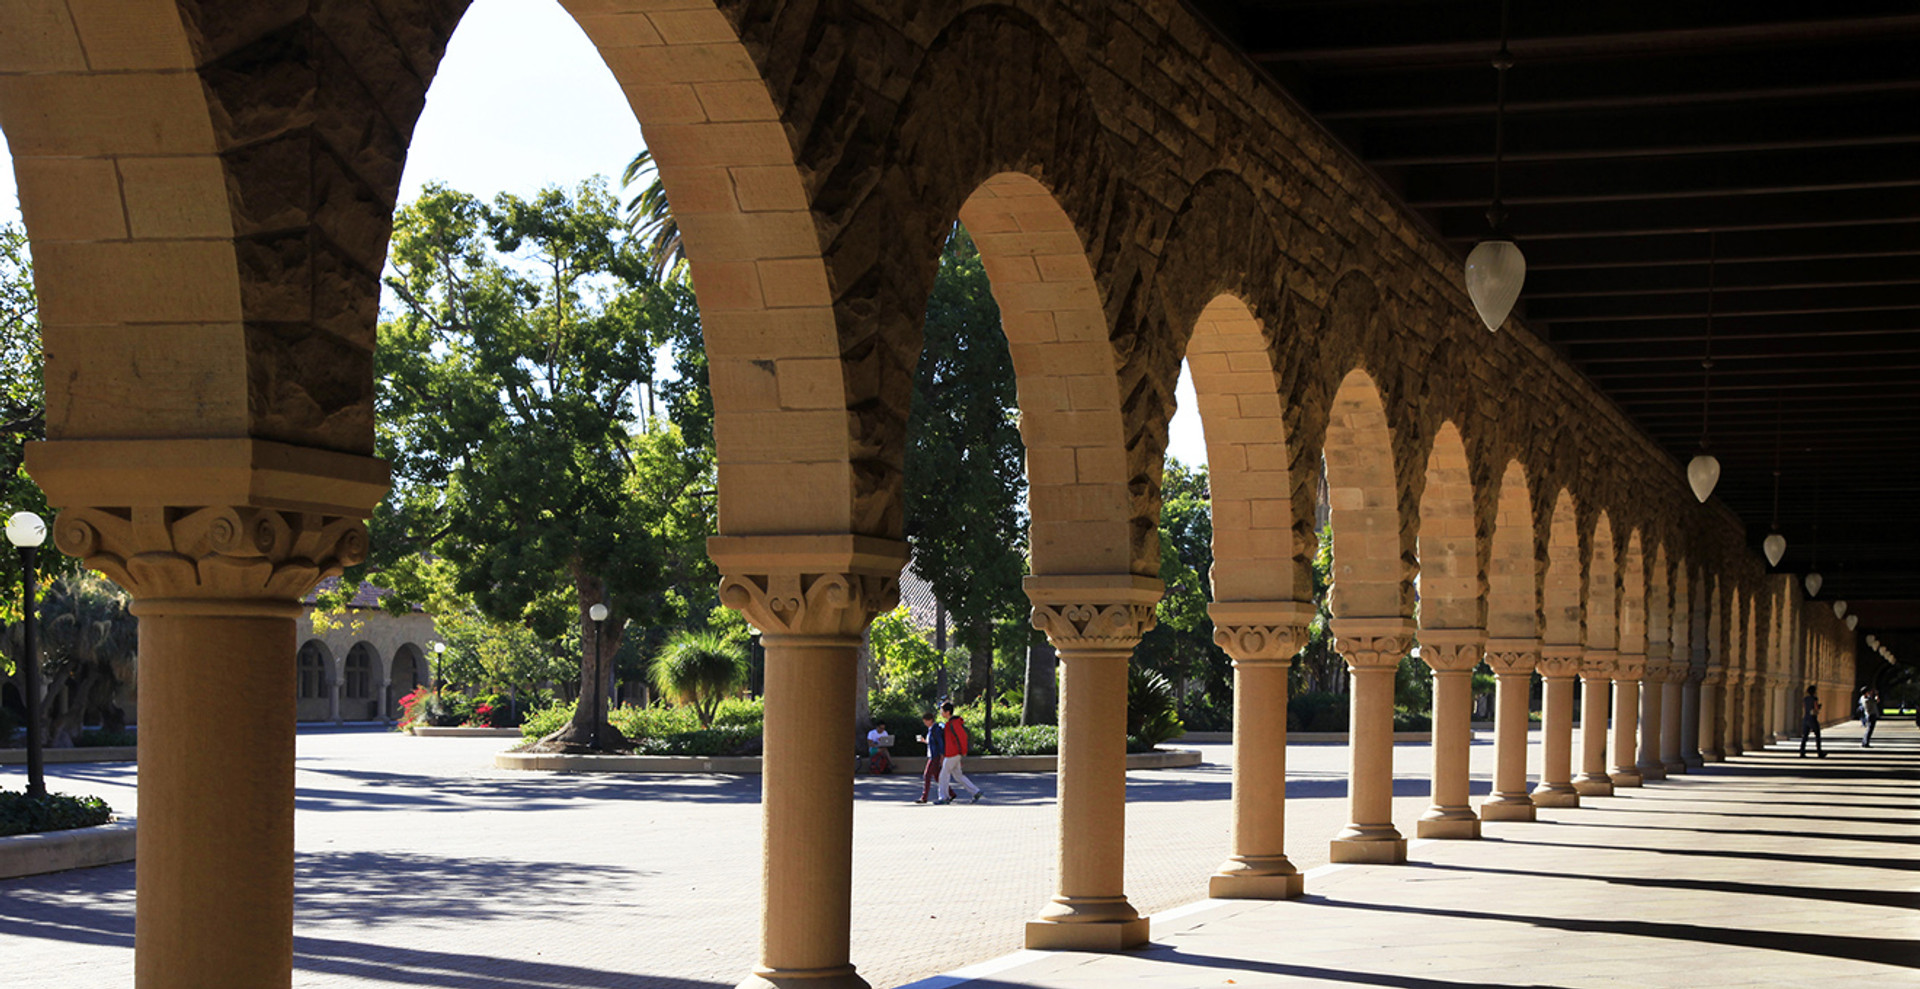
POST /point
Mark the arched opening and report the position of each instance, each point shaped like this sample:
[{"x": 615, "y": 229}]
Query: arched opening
[
  {"x": 1633, "y": 598},
  {"x": 1513, "y": 580},
  {"x": 360, "y": 686},
  {"x": 1079, "y": 498},
  {"x": 1450, "y": 584},
  {"x": 1563, "y": 587},
  {"x": 1372, "y": 576},
  {"x": 314, "y": 700},
  {"x": 409, "y": 671}
]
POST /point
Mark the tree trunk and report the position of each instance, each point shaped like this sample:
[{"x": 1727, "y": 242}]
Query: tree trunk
[
  {"x": 589, "y": 731},
  {"x": 1040, "y": 705},
  {"x": 979, "y": 659}
]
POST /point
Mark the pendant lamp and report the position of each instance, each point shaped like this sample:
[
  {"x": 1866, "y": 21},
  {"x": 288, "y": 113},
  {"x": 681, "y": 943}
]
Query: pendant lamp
[
  {"x": 1496, "y": 269},
  {"x": 1704, "y": 472},
  {"x": 1853, "y": 622},
  {"x": 1775, "y": 545},
  {"x": 1839, "y": 609},
  {"x": 1813, "y": 579}
]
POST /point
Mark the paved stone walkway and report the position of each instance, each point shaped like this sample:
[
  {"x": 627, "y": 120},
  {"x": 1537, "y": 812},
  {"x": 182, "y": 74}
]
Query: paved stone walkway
[
  {"x": 421, "y": 866},
  {"x": 1769, "y": 870}
]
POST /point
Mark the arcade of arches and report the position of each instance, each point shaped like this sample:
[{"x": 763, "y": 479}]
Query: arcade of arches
[{"x": 209, "y": 186}]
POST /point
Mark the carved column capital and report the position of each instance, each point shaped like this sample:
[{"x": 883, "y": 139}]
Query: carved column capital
[
  {"x": 1679, "y": 673},
  {"x": 1598, "y": 664},
  {"x": 1654, "y": 670},
  {"x": 216, "y": 559},
  {"x": 1095, "y": 612},
  {"x": 1714, "y": 676},
  {"x": 1261, "y": 632},
  {"x": 806, "y": 587},
  {"x": 1629, "y": 666},
  {"x": 1373, "y": 643},
  {"x": 1558, "y": 661},
  {"x": 1513, "y": 656},
  {"x": 1452, "y": 650}
]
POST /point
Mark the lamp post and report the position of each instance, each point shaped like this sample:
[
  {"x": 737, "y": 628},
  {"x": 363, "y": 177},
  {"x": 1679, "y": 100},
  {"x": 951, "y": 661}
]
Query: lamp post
[
  {"x": 26, "y": 531},
  {"x": 599, "y": 614},
  {"x": 439, "y": 657}
]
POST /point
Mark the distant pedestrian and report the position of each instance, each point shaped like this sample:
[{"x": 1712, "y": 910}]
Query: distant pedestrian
[
  {"x": 1810, "y": 722},
  {"x": 1869, "y": 714},
  {"x": 955, "y": 751},
  {"x": 879, "y": 760},
  {"x": 935, "y": 739}
]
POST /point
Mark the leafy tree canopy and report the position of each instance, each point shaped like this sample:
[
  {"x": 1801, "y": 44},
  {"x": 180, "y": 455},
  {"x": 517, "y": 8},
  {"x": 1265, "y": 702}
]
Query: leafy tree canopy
[{"x": 22, "y": 409}]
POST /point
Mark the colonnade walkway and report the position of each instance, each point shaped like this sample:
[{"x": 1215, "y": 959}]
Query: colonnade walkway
[{"x": 1765, "y": 870}]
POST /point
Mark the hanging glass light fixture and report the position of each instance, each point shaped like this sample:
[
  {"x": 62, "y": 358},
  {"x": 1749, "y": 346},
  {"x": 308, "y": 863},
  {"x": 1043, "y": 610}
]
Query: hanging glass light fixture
[
  {"x": 1704, "y": 471},
  {"x": 1813, "y": 579},
  {"x": 1496, "y": 269},
  {"x": 1853, "y": 622},
  {"x": 1839, "y": 609}
]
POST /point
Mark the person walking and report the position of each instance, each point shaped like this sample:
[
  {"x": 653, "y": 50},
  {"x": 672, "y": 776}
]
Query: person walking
[
  {"x": 1869, "y": 714},
  {"x": 955, "y": 749},
  {"x": 1810, "y": 722},
  {"x": 935, "y": 738}
]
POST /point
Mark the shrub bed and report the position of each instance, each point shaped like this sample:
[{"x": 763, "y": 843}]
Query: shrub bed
[{"x": 22, "y": 814}]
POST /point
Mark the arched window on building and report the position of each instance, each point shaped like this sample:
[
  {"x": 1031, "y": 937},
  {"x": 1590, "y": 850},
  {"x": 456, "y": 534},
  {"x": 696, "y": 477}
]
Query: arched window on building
[
  {"x": 313, "y": 672},
  {"x": 359, "y": 673}
]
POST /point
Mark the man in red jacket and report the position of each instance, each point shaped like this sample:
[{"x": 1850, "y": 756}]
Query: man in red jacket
[{"x": 955, "y": 750}]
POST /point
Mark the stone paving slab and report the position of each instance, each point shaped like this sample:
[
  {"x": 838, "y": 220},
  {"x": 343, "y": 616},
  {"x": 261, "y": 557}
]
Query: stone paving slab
[{"x": 1767, "y": 870}]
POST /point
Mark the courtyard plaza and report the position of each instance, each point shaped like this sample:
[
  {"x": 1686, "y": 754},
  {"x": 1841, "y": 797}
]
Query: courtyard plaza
[{"x": 419, "y": 865}]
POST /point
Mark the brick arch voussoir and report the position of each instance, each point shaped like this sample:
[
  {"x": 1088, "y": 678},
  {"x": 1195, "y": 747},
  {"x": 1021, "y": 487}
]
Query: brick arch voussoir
[{"x": 996, "y": 98}]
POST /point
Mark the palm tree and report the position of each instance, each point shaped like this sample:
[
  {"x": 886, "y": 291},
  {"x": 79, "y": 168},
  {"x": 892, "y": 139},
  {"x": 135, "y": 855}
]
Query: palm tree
[
  {"x": 700, "y": 668},
  {"x": 649, "y": 216},
  {"x": 89, "y": 641}
]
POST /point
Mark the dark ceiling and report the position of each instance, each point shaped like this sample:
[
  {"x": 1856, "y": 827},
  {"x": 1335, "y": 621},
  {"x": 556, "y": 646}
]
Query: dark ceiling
[{"x": 1785, "y": 133}]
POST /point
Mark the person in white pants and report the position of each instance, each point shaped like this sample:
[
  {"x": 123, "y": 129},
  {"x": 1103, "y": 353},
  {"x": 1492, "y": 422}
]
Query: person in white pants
[{"x": 955, "y": 750}]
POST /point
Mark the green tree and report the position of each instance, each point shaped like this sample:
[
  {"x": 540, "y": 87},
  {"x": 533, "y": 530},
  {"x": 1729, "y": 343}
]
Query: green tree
[
  {"x": 700, "y": 669},
  {"x": 965, "y": 480},
  {"x": 501, "y": 656},
  {"x": 22, "y": 411},
  {"x": 89, "y": 644},
  {"x": 650, "y": 217},
  {"x": 522, "y": 331},
  {"x": 1180, "y": 645}
]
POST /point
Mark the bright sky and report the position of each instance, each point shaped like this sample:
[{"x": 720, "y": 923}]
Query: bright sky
[{"x": 523, "y": 101}]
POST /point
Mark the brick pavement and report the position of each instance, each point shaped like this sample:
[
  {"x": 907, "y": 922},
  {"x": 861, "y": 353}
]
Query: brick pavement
[
  {"x": 1769, "y": 870},
  {"x": 422, "y": 866}
]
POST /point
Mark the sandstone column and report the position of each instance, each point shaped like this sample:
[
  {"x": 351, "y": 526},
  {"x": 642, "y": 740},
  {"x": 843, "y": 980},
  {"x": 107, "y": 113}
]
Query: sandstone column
[
  {"x": 1452, "y": 654},
  {"x": 1559, "y": 664},
  {"x": 810, "y": 596},
  {"x": 1627, "y": 672},
  {"x": 1711, "y": 684},
  {"x": 1733, "y": 709},
  {"x": 1760, "y": 692},
  {"x": 1512, "y": 661},
  {"x": 217, "y": 551},
  {"x": 1671, "y": 716},
  {"x": 1596, "y": 678},
  {"x": 1262, "y": 638},
  {"x": 1652, "y": 720},
  {"x": 1692, "y": 703},
  {"x": 1372, "y": 648},
  {"x": 1093, "y": 622}
]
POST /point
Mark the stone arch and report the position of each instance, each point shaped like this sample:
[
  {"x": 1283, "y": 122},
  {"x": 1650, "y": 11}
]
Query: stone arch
[
  {"x": 407, "y": 671},
  {"x": 1563, "y": 584},
  {"x": 1372, "y": 577},
  {"x": 1452, "y": 594},
  {"x": 313, "y": 698},
  {"x": 361, "y": 678},
  {"x": 996, "y": 130},
  {"x": 1603, "y": 589},
  {"x": 1633, "y": 596},
  {"x": 1077, "y": 471},
  {"x": 1513, "y": 602},
  {"x": 1254, "y": 553},
  {"x": 1659, "y": 602}
]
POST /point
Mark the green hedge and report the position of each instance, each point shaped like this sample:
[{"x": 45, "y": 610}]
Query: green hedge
[{"x": 21, "y": 814}]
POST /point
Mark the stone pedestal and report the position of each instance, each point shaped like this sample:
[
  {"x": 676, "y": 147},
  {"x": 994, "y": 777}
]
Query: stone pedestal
[
  {"x": 1512, "y": 661},
  {"x": 810, "y": 597},
  {"x": 1559, "y": 665},
  {"x": 1262, "y": 638},
  {"x": 1596, "y": 679},
  {"x": 1452, "y": 654},
  {"x": 1626, "y": 718},
  {"x": 1372, "y": 648},
  {"x": 1093, "y": 622}
]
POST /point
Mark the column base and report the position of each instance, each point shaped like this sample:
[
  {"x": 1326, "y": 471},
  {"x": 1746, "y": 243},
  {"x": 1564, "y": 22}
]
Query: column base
[
  {"x": 1506, "y": 808},
  {"x": 1734, "y": 750},
  {"x": 1593, "y": 785},
  {"x": 1652, "y": 770},
  {"x": 1369, "y": 845},
  {"x": 1449, "y": 824},
  {"x": 1695, "y": 760},
  {"x": 1256, "y": 877},
  {"x": 1556, "y": 795},
  {"x": 1625, "y": 776},
  {"x": 1676, "y": 768},
  {"x": 839, "y": 977},
  {"x": 1087, "y": 923}
]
